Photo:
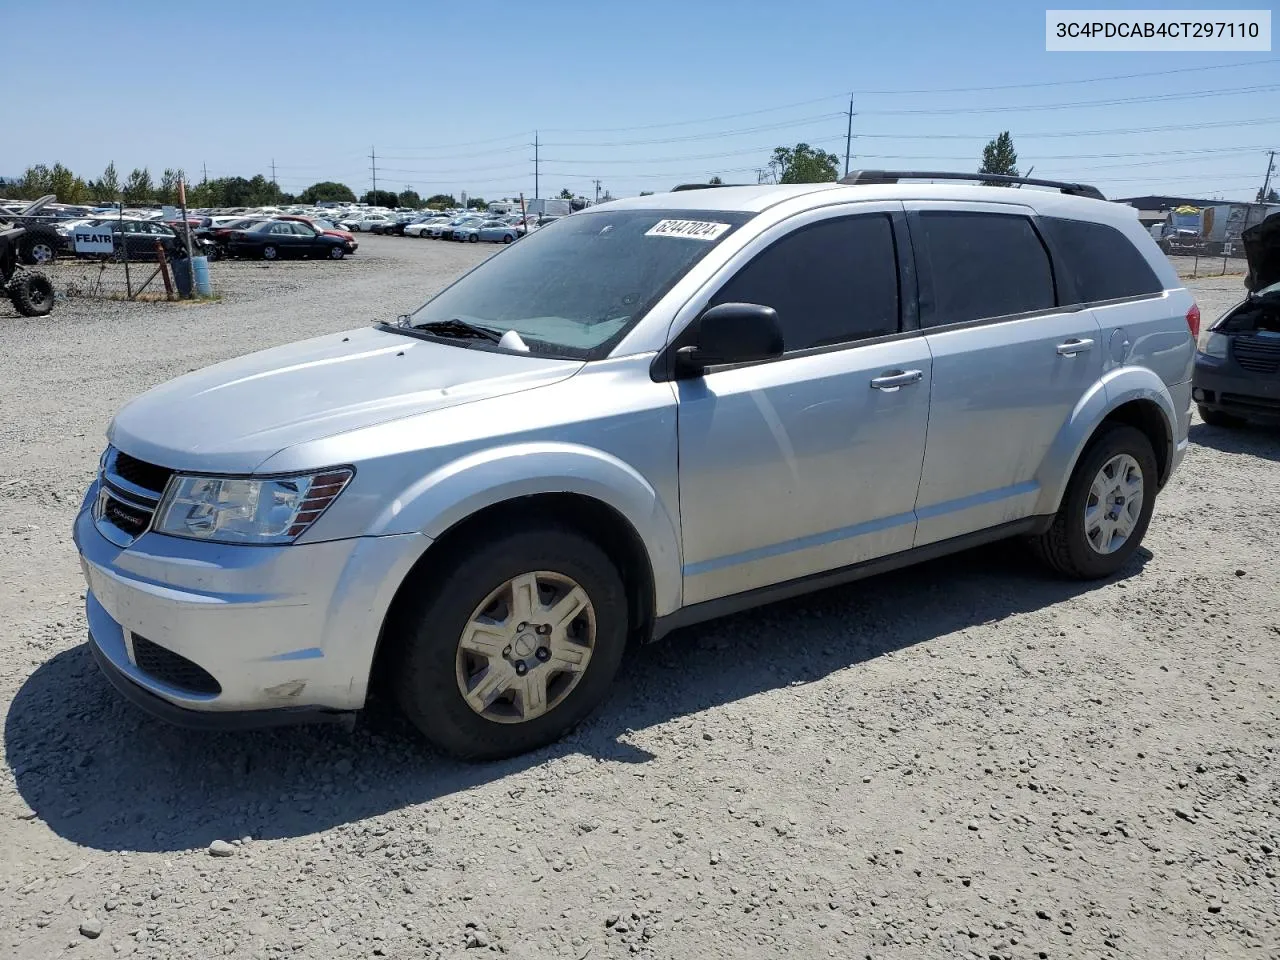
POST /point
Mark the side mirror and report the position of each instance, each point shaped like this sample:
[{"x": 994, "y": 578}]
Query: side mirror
[{"x": 730, "y": 333}]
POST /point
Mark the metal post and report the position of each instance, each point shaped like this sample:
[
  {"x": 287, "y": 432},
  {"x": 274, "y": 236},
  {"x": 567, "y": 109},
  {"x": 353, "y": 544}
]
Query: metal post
[
  {"x": 186, "y": 225},
  {"x": 536, "y": 195},
  {"x": 1266, "y": 183},
  {"x": 124, "y": 248},
  {"x": 373, "y": 156},
  {"x": 848, "y": 137}
]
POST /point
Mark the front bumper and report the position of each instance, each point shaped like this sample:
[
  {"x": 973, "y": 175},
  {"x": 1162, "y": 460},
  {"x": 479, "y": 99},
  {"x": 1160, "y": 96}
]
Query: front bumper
[
  {"x": 290, "y": 628},
  {"x": 1221, "y": 385}
]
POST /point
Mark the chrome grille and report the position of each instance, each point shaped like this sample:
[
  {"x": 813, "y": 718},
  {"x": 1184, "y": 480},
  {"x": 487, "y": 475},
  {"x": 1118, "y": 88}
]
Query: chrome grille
[{"x": 129, "y": 492}]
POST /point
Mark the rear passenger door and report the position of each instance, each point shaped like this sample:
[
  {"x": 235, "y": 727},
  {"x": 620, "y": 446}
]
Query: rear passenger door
[
  {"x": 1009, "y": 363},
  {"x": 809, "y": 461}
]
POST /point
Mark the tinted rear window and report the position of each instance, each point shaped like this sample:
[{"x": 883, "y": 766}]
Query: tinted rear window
[
  {"x": 982, "y": 265},
  {"x": 1100, "y": 260}
]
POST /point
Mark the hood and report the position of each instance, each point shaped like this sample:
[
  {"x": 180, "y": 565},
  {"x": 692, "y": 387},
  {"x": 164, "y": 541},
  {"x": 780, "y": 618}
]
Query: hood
[
  {"x": 234, "y": 415},
  {"x": 1262, "y": 249}
]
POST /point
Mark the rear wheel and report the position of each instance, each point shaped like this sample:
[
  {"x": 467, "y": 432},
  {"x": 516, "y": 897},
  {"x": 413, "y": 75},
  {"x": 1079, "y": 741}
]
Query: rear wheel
[
  {"x": 1107, "y": 506},
  {"x": 1216, "y": 418},
  {"x": 31, "y": 294},
  {"x": 507, "y": 238},
  {"x": 38, "y": 246},
  {"x": 512, "y": 644}
]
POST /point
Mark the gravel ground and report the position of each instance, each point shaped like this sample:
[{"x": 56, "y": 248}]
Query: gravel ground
[{"x": 964, "y": 759}]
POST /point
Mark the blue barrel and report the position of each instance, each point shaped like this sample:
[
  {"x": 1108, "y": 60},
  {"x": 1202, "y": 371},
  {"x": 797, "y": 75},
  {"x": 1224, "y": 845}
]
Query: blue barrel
[
  {"x": 204, "y": 287},
  {"x": 181, "y": 269}
]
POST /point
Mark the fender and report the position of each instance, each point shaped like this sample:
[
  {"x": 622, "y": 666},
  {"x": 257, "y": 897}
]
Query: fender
[
  {"x": 464, "y": 486},
  {"x": 1115, "y": 388}
]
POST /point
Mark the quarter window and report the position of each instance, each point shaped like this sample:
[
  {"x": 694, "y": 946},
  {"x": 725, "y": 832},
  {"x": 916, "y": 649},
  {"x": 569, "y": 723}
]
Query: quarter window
[
  {"x": 831, "y": 282},
  {"x": 1101, "y": 261},
  {"x": 982, "y": 265}
]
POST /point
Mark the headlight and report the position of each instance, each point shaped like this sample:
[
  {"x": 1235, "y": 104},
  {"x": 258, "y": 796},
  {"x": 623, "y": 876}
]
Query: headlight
[
  {"x": 1212, "y": 344},
  {"x": 263, "y": 510}
]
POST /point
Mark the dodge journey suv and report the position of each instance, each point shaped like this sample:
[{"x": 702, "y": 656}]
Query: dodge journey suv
[{"x": 649, "y": 413}]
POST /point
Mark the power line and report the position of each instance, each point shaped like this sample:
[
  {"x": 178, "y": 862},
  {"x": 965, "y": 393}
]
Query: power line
[
  {"x": 1153, "y": 98},
  {"x": 925, "y": 90},
  {"x": 1121, "y": 131}
]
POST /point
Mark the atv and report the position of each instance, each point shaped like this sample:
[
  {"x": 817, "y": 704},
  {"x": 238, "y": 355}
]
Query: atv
[{"x": 30, "y": 291}]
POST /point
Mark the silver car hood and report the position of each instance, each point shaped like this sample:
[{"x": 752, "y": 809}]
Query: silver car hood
[{"x": 232, "y": 416}]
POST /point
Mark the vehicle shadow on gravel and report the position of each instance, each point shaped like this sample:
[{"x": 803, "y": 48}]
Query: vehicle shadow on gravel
[
  {"x": 1258, "y": 440},
  {"x": 103, "y": 775}
]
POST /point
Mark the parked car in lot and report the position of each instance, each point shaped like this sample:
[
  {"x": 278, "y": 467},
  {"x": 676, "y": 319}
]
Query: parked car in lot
[
  {"x": 365, "y": 223},
  {"x": 280, "y": 239},
  {"x": 1237, "y": 372},
  {"x": 494, "y": 231},
  {"x": 325, "y": 227},
  {"x": 638, "y": 417},
  {"x": 420, "y": 229}
]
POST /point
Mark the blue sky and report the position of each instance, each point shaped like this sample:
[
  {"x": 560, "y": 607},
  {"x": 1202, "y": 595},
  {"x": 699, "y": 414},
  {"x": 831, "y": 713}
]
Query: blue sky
[{"x": 641, "y": 96}]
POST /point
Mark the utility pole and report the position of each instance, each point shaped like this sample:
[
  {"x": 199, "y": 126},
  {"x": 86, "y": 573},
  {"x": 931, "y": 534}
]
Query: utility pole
[
  {"x": 373, "y": 160},
  {"x": 597, "y": 191},
  {"x": 848, "y": 137},
  {"x": 1266, "y": 182},
  {"x": 273, "y": 174},
  {"x": 204, "y": 169},
  {"x": 536, "y": 195}
]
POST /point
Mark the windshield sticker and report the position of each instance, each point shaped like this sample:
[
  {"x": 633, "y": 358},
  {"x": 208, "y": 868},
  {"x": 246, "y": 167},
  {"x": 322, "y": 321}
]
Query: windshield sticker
[{"x": 689, "y": 229}]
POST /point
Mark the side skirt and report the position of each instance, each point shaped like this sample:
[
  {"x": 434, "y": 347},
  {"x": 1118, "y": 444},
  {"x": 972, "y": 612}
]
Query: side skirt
[{"x": 723, "y": 606}]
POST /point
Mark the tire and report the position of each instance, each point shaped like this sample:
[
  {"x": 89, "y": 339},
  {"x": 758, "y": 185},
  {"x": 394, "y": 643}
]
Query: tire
[
  {"x": 39, "y": 246},
  {"x": 473, "y": 238},
  {"x": 269, "y": 252},
  {"x": 507, "y": 238},
  {"x": 431, "y": 667},
  {"x": 1216, "y": 418},
  {"x": 31, "y": 294},
  {"x": 1065, "y": 547},
  {"x": 336, "y": 252}
]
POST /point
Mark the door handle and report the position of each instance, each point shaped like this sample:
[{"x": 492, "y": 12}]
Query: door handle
[
  {"x": 893, "y": 379},
  {"x": 1073, "y": 346}
]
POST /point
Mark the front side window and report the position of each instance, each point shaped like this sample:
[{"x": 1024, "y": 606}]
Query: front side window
[
  {"x": 982, "y": 265},
  {"x": 831, "y": 282},
  {"x": 573, "y": 289}
]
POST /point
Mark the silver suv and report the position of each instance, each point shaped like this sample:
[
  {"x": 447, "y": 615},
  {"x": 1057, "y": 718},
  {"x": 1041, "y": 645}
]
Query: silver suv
[{"x": 646, "y": 414}]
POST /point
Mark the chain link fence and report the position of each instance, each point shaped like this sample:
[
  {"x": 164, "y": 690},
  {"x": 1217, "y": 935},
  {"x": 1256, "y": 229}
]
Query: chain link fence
[{"x": 1194, "y": 266}]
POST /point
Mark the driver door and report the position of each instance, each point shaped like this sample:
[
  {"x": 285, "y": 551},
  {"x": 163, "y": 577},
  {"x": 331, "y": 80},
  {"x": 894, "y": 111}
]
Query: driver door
[{"x": 810, "y": 461}]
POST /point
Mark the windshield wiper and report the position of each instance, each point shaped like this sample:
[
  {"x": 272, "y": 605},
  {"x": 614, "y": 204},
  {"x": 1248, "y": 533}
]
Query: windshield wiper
[{"x": 460, "y": 329}]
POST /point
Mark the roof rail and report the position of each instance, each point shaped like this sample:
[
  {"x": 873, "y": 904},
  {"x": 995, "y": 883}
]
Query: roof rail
[
  {"x": 862, "y": 177},
  {"x": 705, "y": 186}
]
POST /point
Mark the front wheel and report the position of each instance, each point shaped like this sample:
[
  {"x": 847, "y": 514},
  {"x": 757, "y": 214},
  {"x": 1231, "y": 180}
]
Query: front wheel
[
  {"x": 507, "y": 238},
  {"x": 1107, "y": 506},
  {"x": 1216, "y": 418},
  {"x": 270, "y": 253},
  {"x": 474, "y": 238},
  {"x": 336, "y": 253},
  {"x": 512, "y": 644}
]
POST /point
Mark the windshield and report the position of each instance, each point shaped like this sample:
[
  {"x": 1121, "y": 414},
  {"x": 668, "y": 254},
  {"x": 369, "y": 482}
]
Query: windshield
[{"x": 575, "y": 287}]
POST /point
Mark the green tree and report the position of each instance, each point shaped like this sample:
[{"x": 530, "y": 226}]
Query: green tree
[
  {"x": 804, "y": 164},
  {"x": 327, "y": 190},
  {"x": 139, "y": 188},
  {"x": 107, "y": 187},
  {"x": 1271, "y": 197},
  {"x": 66, "y": 185},
  {"x": 440, "y": 201},
  {"x": 167, "y": 192},
  {"x": 565, "y": 194},
  {"x": 998, "y": 156},
  {"x": 410, "y": 198},
  {"x": 715, "y": 181},
  {"x": 382, "y": 198},
  {"x": 646, "y": 193},
  {"x": 477, "y": 203},
  {"x": 37, "y": 181}
]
